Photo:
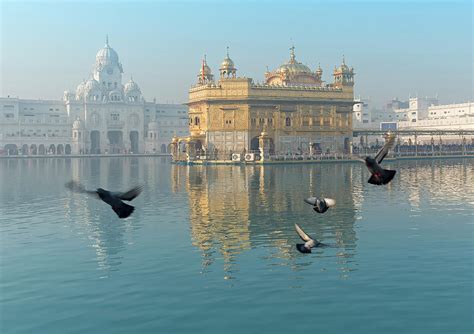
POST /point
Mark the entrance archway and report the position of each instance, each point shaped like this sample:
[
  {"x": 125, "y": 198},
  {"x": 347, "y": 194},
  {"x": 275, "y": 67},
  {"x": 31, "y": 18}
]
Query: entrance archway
[
  {"x": 115, "y": 141},
  {"x": 60, "y": 149},
  {"x": 41, "y": 150},
  {"x": 134, "y": 141},
  {"x": 95, "y": 142},
  {"x": 316, "y": 147},
  {"x": 163, "y": 148},
  {"x": 67, "y": 149},
  {"x": 25, "y": 150},
  {"x": 11, "y": 149},
  {"x": 52, "y": 149},
  {"x": 33, "y": 149},
  {"x": 254, "y": 144},
  {"x": 346, "y": 145}
]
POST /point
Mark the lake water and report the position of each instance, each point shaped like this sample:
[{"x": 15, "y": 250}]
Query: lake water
[{"x": 212, "y": 249}]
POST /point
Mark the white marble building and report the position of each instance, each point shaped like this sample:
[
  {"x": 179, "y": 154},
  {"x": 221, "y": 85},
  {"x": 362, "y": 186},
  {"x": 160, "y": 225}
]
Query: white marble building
[
  {"x": 420, "y": 114},
  {"x": 101, "y": 116}
]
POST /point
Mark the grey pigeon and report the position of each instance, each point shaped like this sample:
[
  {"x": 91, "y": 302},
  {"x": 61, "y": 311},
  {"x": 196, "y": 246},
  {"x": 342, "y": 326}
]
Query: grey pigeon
[
  {"x": 320, "y": 205},
  {"x": 309, "y": 242}
]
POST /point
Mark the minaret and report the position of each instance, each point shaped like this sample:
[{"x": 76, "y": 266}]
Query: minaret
[
  {"x": 343, "y": 75},
  {"x": 205, "y": 75},
  {"x": 228, "y": 69}
]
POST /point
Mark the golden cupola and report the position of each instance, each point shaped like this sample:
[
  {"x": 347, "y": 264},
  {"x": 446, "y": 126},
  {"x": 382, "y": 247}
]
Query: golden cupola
[
  {"x": 227, "y": 69},
  {"x": 205, "y": 73},
  {"x": 343, "y": 75}
]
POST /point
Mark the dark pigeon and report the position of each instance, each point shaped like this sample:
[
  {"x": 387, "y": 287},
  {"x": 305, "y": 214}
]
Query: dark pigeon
[
  {"x": 379, "y": 175},
  {"x": 114, "y": 199}
]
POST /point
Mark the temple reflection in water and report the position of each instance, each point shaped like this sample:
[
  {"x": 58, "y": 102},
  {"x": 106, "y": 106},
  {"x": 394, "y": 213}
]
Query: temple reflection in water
[
  {"x": 235, "y": 208},
  {"x": 231, "y": 209}
]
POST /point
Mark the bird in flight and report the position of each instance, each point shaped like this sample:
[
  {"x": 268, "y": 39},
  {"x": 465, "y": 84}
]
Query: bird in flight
[
  {"x": 309, "y": 242},
  {"x": 379, "y": 175},
  {"x": 114, "y": 199},
  {"x": 320, "y": 205}
]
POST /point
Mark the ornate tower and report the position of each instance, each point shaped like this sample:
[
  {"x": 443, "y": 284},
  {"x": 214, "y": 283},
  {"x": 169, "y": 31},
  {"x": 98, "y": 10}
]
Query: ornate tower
[
  {"x": 108, "y": 71},
  {"x": 78, "y": 137},
  {"x": 205, "y": 75},
  {"x": 343, "y": 75},
  {"x": 228, "y": 69}
]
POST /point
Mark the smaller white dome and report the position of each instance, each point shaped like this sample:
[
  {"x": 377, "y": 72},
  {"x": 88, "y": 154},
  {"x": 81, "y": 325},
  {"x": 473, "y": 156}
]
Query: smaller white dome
[
  {"x": 91, "y": 85},
  {"x": 132, "y": 87},
  {"x": 80, "y": 90}
]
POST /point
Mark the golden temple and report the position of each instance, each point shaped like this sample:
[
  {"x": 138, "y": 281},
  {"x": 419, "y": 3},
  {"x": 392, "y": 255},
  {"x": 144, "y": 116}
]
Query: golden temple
[{"x": 293, "y": 112}]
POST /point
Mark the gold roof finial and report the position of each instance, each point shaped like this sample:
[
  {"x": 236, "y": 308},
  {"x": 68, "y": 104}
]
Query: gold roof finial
[{"x": 292, "y": 54}]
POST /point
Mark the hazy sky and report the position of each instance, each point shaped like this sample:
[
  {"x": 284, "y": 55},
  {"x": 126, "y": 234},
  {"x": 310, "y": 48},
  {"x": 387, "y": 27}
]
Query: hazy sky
[{"x": 397, "y": 48}]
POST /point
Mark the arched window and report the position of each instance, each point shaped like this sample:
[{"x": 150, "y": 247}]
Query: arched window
[
  {"x": 196, "y": 120},
  {"x": 288, "y": 121}
]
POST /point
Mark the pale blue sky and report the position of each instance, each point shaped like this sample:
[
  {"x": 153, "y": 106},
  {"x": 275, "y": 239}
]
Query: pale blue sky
[{"x": 396, "y": 48}]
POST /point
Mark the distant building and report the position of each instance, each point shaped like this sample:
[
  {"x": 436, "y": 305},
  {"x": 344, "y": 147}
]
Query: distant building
[
  {"x": 292, "y": 112},
  {"x": 417, "y": 114},
  {"x": 101, "y": 116}
]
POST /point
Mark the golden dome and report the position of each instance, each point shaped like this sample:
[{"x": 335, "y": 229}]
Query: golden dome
[
  {"x": 227, "y": 63},
  {"x": 293, "y": 66}
]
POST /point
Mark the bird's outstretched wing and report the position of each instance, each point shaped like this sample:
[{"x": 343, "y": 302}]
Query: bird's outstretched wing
[
  {"x": 302, "y": 234},
  {"x": 131, "y": 194},
  {"x": 79, "y": 188},
  {"x": 310, "y": 200},
  {"x": 384, "y": 150}
]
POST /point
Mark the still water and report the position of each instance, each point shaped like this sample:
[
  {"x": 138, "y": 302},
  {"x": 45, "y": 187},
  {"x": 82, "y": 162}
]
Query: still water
[{"x": 212, "y": 249}]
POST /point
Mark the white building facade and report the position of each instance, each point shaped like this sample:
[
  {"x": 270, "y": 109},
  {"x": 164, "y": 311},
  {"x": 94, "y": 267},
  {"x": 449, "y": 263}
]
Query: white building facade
[
  {"x": 102, "y": 116},
  {"x": 420, "y": 114}
]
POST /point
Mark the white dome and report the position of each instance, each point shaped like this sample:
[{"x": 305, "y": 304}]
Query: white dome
[
  {"x": 107, "y": 55},
  {"x": 132, "y": 87}
]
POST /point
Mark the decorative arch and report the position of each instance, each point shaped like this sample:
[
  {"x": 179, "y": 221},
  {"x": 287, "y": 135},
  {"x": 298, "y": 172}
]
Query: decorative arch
[
  {"x": 33, "y": 149},
  {"x": 134, "y": 141},
  {"x": 11, "y": 149},
  {"x": 25, "y": 150},
  {"x": 60, "y": 149},
  {"x": 254, "y": 144},
  {"x": 67, "y": 149},
  {"x": 41, "y": 150}
]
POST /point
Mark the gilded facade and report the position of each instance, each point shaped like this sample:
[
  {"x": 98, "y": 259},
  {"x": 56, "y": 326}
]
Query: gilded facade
[{"x": 292, "y": 112}]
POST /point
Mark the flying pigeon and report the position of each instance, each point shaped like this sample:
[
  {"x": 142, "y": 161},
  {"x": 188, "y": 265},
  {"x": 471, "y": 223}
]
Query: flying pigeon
[
  {"x": 309, "y": 242},
  {"x": 114, "y": 199},
  {"x": 320, "y": 205},
  {"x": 379, "y": 175}
]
